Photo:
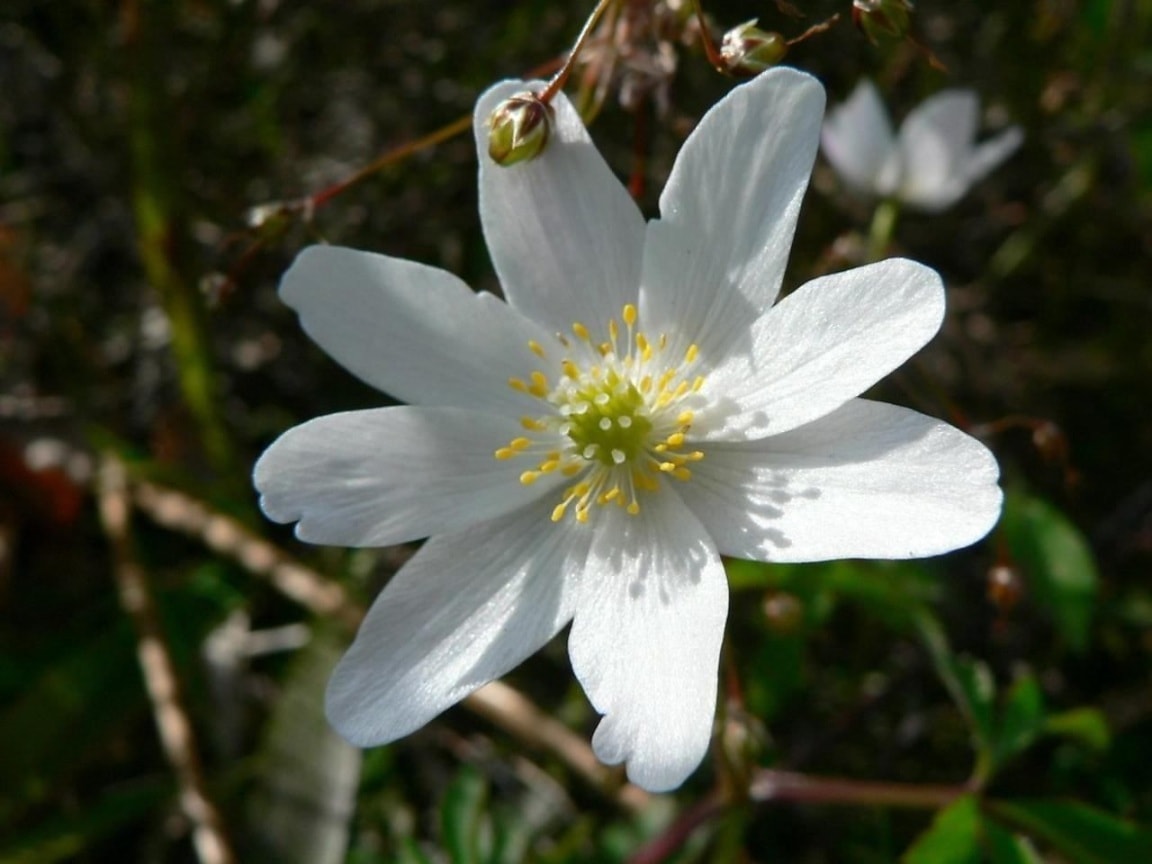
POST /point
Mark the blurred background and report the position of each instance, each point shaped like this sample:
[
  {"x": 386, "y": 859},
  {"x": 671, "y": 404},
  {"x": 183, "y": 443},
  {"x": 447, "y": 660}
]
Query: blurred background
[{"x": 163, "y": 649}]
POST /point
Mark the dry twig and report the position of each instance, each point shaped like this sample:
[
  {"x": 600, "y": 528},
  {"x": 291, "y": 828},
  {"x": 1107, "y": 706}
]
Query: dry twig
[{"x": 160, "y": 677}]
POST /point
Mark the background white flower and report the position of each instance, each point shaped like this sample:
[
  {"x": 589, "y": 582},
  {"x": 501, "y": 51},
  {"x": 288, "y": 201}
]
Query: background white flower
[
  {"x": 640, "y": 405},
  {"x": 933, "y": 160}
]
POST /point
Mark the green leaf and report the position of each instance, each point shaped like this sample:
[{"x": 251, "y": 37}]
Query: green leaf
[
  {"x": 1004, "y": 847},
  {"x": 1058, "y": 564},
  {"x": 1086, "y": 726},
  {"x": 1021, "y": 719},
  {"x": 976, "y": 697},
  {"x": 1084, "y": 834},
  {"x": 462, "y": 817},
  {"x": 953, "y": 837}
]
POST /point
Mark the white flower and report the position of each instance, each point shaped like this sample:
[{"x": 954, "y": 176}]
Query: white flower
[
  {"x": 930, "y": 164},
  {"x": 586, "y": 451}
]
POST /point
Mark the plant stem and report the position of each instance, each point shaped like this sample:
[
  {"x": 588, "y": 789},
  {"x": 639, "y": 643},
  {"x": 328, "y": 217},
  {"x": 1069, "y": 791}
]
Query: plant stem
[
  {"x": 161, "y": 678},
  {"x": 561, "y": 78},
  {"x": 773, "y": 785},
  {"x": 160, "y": 233},
  {"x": 881, "y": 229}
]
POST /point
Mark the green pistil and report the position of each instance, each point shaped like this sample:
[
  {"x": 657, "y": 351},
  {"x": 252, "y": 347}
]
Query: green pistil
[{"x": 608, "y": 422}]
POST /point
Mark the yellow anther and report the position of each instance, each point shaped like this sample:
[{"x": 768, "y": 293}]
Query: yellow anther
[
  {"x": 611, "y": 494},
  {"x": 646, "y": 384},
  {"x": 532, "y": 424},
  {"x": 571, "y": 469},
  {"x": 559, "y": 510},
  {"x": 549, "y": 465},
  {"x": 613, "y": 330},
  {"x": 505, "y": 453},
  {"x": 605, "y": 349},
  {"x": 667, "y": 467},
  {"x": 581, "y": 331},
  {"x": 676, "y": 439},
  {"x": 519, "y": 444},
  {"x": 691, "y": 354},
  {"x": 685, "y": 418},
  {"x": 570, "y": 369},
  {"x": 518, "y": 384},
  {"x": 536, "y": 347},
  {"x": 682, "y": 474},
  {"x": 582, "y": 515},
  {"x": 630, "y": 315},
  {"x": 698, "y": 383},
  {"x": 633, "y": 508},
  {"x": 529, "y": 477}
]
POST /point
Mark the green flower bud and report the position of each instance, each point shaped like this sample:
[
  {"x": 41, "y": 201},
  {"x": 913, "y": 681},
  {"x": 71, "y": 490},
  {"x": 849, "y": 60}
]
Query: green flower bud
[
  {"x": 748, "y": 50},
  {"x": 518, "y": 129},
  {"x": 882, "y": 19}
]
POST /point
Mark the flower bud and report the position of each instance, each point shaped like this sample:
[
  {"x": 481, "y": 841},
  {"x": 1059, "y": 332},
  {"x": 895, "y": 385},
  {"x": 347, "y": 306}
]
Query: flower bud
[
  {"x": 748, "y": 50},
  {"x": 518, "y": 129},
  {"x": 882, "y": 19}
]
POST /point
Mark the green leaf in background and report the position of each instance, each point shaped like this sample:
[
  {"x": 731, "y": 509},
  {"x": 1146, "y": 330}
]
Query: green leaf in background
[
  {"x": 462, "y": 818},
  {"x": 1021, "y": 718},
  {"x": 1004, "y": 847},
  {"x": 975, "y": 694},
  {"x": 84, "y": 697},
  {"x": 1057, "y": 561},
  {"x": 1086, "y": 726},
  {"x": 952, "y": 838},
  {"x": 1082, "y": 833},
  {"x": 65, "y": 837}
]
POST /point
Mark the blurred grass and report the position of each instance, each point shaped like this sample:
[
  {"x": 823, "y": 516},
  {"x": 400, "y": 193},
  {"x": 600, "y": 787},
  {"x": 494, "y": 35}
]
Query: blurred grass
[{"x": 138, "y": 313}]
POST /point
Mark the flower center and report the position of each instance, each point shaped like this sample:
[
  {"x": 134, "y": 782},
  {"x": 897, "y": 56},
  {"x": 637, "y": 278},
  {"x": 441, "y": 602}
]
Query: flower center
[{"x": 616, "y": 418}]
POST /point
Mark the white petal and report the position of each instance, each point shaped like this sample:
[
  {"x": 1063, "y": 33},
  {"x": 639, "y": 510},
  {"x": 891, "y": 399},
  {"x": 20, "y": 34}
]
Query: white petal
[
  {"x": 565, "y": 237},
  {"x": 466, "y": 609},
  {"x": 823, "y": 344},
  {"x": 857, "y": 139},
  {"x": 992, "y": 152},
  {"x": 645, "y": 642},
  {"x": 869, "y": 480},
  {"x": 373, "y": 478},
  {"x": 716, "y": 257},
  {"x": 415, "y": 332},
  {"x": 935, "y": 141}
]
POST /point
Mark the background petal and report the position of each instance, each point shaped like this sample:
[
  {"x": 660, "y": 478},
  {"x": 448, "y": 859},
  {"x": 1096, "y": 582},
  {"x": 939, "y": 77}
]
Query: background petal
[
  {"x": 716, "y": 257},
  {"x": 415, "y": 332},
  {"x": 857, "y": 138},
  {"x": 869, "y": 480},
  {"x": 935, "y": 141},
  {"x": 465, "y": 610},
  {"x": 565, "y": 237},
  {"x": 645, "y": 642},
  {"x": 374, "y": 478},
  {"x": 822, "y": 345},
  {"x": 992, "y": 152}
]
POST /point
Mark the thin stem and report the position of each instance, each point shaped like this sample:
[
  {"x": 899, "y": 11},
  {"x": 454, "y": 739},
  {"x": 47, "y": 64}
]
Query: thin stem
[
  {"x": 160, "y": 675},
  {"x": 158, "y": 209},
  {"x": 677, "y": 834},
  {"x": 884, "y": 224},
  {"x": 770, "y": 785},
  {"x": 561, "y": 78},
  {"x": 880, "y": 232},
  {"x": 710, "y": 49}
]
